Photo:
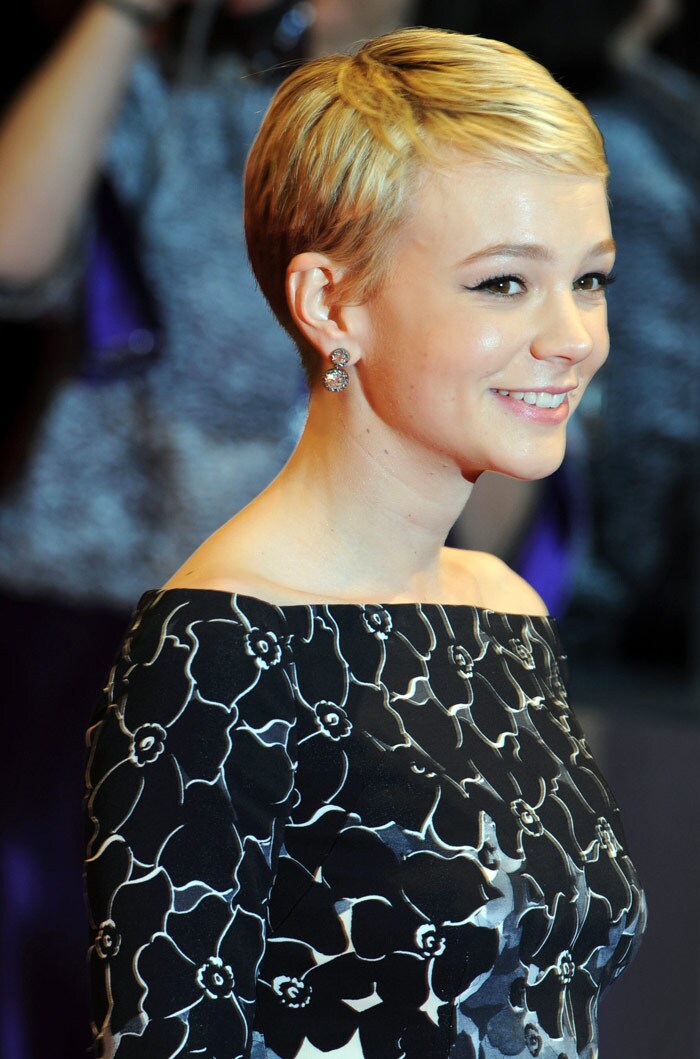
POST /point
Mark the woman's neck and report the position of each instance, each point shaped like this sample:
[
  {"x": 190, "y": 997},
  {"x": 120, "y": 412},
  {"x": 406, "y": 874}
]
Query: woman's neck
[{"x": 356, "y": 511}]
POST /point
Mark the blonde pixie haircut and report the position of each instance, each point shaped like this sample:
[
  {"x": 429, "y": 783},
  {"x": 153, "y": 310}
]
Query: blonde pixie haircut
[{"x": 346, "y": 139}]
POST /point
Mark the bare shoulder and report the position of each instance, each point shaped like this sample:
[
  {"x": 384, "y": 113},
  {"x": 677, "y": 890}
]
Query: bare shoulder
[
  {"x": 199, "y": 575},
  {"x": 499, "y": 587},
  {"x": 214, "y": 565},
  {"x": 224, "y": 564}
]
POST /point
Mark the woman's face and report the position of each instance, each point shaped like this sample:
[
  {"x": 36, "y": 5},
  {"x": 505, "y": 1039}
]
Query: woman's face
[{"x": 496, "y": 289}]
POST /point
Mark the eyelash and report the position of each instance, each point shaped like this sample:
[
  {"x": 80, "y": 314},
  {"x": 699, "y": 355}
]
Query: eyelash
[{"x": 604, "y": 280}]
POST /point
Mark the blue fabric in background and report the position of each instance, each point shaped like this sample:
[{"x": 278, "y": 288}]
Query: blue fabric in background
[{"x": 121, "y": 322}]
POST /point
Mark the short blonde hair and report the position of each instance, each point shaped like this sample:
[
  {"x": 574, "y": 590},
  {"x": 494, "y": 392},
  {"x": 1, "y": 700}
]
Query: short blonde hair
[{"x": 346, "y": 138}]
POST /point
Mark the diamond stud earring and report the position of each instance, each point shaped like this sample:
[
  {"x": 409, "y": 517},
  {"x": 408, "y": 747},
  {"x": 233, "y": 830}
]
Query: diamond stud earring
[{"x": 336, "y": 378}]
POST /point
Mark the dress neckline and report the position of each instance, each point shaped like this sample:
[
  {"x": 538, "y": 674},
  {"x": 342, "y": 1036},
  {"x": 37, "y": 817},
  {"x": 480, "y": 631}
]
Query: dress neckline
[{"x": 153, "y": 594}]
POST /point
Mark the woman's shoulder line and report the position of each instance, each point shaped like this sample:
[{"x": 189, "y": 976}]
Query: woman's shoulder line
[
  {"x": 180, "y": 595},
  {"x": 499, "y": 587}
]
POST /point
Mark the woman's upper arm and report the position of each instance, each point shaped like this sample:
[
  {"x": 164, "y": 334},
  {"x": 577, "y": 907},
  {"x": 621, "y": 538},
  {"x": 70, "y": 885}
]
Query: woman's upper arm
[{"x": 189, "y": 780}]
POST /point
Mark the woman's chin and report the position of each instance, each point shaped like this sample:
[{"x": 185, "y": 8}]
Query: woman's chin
[{"x": 530, "y": 467}]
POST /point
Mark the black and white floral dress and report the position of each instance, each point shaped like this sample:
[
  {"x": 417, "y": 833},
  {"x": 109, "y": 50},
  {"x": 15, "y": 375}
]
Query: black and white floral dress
[{"x": 366, "y": 832}]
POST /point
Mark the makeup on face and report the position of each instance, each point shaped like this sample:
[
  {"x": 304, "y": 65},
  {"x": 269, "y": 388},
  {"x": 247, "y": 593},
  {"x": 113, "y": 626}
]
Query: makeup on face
[{"x": 493, "y": 318}]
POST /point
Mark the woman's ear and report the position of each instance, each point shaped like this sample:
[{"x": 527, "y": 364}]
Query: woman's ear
[{"x": 311, "y": 283}]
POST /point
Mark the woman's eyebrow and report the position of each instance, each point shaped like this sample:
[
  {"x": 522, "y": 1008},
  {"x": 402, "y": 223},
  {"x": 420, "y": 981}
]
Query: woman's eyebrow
[{"x": 534, "y": 251}]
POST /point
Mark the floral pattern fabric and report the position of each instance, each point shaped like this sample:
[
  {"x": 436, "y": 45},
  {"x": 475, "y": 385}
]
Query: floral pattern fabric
[{"x": 352, "y": 831}]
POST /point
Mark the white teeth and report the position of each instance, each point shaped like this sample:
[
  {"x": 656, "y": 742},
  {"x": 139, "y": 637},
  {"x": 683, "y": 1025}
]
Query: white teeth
[{"x": 536, "y": 397}]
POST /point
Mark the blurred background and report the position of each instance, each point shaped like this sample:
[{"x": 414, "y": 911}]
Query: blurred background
[{"x": 148, "y": 393}]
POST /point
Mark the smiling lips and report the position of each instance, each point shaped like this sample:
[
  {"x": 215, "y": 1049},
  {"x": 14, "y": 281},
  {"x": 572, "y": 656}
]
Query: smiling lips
[{"x": 540, "y": 398}]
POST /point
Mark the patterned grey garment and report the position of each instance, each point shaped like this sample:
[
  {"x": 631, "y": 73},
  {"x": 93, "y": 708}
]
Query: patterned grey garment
[
  {"x": 127, "y": 477},
  {"x": 349, "y": 831}
]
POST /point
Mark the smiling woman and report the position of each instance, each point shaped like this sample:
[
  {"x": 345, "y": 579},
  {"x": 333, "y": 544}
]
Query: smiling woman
[
  {"x": 524, "y": 314},
  {"x": 338, "y": 802}
]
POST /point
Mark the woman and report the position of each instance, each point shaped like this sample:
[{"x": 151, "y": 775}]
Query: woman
[{"x": 338, "y": 803}]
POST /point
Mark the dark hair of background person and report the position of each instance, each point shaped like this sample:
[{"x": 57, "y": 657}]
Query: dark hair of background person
[{"x": 269, "y": 40}]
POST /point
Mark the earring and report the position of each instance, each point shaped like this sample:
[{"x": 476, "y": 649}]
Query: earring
[{"x": 336, "y": 378}]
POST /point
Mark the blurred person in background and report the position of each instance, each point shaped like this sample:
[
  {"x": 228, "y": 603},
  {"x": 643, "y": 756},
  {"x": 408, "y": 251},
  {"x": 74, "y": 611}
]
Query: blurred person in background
[
  {"x": 640, "y": 573},
  {"x": 166, "y": 394}
]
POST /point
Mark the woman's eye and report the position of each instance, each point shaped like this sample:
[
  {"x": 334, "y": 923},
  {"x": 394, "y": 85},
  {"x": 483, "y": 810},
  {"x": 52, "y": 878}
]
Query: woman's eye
[
  {"x": 594, "y": 281},
  {"x": 506, "y": 286}
]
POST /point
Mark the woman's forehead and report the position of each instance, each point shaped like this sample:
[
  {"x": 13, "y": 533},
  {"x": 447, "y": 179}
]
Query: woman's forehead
[{"x": 509, "y": 205}]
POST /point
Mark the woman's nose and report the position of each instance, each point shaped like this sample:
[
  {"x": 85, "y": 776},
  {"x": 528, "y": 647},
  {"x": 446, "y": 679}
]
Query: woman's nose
[{"x": 563, "y": 332}]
